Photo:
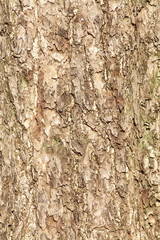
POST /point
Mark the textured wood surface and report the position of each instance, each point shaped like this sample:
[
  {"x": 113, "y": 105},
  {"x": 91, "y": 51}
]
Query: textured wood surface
[{"x": 80, "y": 101}]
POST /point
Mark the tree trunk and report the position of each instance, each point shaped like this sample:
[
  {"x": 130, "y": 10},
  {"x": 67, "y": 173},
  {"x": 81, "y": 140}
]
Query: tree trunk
[{"x": 80, "y": 101}]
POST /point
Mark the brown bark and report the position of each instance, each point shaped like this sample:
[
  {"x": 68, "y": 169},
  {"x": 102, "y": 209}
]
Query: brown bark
[{"x": 80, "y": 99}]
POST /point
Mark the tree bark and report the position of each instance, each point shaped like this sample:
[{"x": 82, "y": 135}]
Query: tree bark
[{"x": 80, "y": 101}]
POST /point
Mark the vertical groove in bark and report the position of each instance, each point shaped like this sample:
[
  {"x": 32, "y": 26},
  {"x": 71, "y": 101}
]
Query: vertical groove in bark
[{"x": 79, "y": 119}]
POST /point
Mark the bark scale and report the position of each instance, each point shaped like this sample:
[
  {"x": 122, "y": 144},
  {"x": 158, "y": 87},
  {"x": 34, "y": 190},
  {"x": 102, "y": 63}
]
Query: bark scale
[{"x": 80, "y": 97}]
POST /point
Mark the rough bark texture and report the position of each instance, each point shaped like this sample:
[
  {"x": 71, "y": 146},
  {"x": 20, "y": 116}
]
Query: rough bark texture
[{"x": 80, "y": 98}]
